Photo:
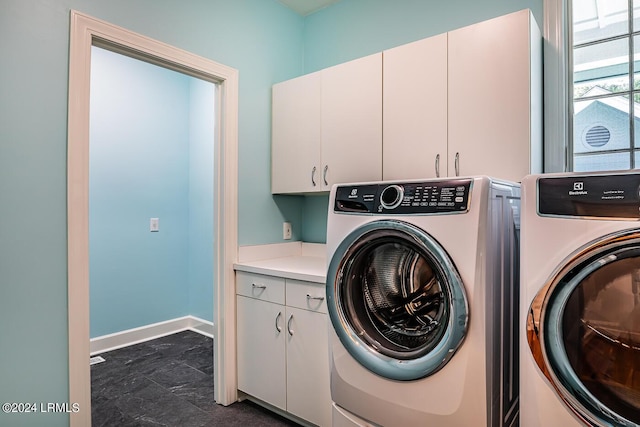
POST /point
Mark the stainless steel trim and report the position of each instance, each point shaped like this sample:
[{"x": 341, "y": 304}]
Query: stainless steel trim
[
  {"x": 289, "y": 325},
  {"x": 542, "y": 311},
  {"x": 324, "y": 174},
  {"x": 278, "y": 328},
  {"x": 371, "y": 358},
  {"x": 397, "y": 202},
  {"x": 313, "y": 176}
]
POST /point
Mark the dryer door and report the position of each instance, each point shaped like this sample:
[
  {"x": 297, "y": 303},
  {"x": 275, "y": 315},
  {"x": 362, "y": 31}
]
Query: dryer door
[
  {"x": 396, "y": 300},
  {"x": 583, "y": 329}
]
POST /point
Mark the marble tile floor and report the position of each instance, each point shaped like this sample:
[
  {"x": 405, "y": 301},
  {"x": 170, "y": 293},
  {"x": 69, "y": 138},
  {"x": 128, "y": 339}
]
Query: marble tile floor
[{"x": 166, "y": 382}]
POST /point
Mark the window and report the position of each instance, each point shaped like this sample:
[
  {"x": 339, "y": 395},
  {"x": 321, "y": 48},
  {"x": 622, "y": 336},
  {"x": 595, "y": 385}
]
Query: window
[{"x": 605, "y": 69}]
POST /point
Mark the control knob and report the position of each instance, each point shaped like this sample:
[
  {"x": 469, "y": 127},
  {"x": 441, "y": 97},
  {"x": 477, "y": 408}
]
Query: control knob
[{"x": 391, "y": 196}]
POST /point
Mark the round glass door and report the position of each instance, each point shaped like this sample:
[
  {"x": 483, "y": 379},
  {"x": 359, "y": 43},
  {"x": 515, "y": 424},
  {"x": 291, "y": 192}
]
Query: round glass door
[
  {"x": 396, "y": 300},
  {"x": 590, "y": 332}
]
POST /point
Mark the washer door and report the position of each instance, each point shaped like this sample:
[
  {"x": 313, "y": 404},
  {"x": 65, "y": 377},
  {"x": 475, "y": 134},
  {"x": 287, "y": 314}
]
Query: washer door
[
  {"x": 396, "y": 300},
  {"x": 583, "y": 329}
]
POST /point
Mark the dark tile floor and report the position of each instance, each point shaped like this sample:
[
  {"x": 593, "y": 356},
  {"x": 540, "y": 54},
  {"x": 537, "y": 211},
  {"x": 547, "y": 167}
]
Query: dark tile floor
[{"x": 166, "y": 382}]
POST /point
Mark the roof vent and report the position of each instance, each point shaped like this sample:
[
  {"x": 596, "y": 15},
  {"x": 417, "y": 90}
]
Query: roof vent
[{"x": 597, "y": 136}]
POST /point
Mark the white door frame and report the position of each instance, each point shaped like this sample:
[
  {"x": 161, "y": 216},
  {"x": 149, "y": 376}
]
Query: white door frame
[{"x": 86, "y": 31}]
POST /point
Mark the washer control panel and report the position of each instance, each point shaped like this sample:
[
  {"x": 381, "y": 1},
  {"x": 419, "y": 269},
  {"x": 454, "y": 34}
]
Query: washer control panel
[{"x": 405, "y": 198}]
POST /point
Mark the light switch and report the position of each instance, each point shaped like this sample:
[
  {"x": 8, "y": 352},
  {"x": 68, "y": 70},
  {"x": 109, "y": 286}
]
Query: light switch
[{"x": 154, "y": 224}]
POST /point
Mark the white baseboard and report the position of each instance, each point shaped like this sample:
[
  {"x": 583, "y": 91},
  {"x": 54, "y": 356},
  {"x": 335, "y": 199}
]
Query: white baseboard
[
  {"x": 129, "y": 337},
  {"x": 203, "y": 327}
]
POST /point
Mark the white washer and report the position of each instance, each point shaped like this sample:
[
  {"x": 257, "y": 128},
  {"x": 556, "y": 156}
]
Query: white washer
[
  {"x": 580, "y": 275},
  {"x": 422, "y": 297}
]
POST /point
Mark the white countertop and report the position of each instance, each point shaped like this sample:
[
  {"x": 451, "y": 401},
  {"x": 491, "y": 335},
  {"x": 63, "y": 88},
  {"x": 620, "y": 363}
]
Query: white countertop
[
  {"x": 293, "y": 260},
  {"x": 306, "y": 268}
]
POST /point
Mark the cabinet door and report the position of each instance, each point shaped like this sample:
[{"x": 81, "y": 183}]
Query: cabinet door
[
  {"x": 352, "y": 121},
  {"x": 295, "y": 145},
  {"x": 308, "y": 392},
  {"x": 491, "y": 98},
  {"x": 261, "y": 350},
  {"x": 414, "y": 115}
]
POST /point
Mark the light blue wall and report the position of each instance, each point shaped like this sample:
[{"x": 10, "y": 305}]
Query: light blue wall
[
  {"x": 151, "y": 155},
  {"x": 352, "y": 29},
  {"x": 139, "y": 169},
  {"x": 260, "y": 38}
]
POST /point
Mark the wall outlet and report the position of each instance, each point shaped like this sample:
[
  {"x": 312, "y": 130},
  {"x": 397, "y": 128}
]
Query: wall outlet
[
  {"x": 154, "y": 224},
  {"x": 286, "y": 231}
]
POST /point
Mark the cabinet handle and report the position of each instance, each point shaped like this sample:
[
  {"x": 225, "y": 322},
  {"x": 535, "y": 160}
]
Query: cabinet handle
[
  {"x": 309, "y": 297},
  {"x": 324, "y": 174},
  {"x": 254, "y": 286},
  {"x": 278, "y": 328},
  {"x": 313, "y": 176},
  {"x": 289, "y": 325},
  {"x": 437, "y": 165},
  {"x": 457, "y": 164}
]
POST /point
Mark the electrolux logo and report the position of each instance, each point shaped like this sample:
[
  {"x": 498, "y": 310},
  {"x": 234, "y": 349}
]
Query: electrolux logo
[{"x": 578, "y": 189}]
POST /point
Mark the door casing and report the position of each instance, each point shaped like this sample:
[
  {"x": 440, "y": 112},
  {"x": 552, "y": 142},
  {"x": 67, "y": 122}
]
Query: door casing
[{"x": 86, "y": 31}]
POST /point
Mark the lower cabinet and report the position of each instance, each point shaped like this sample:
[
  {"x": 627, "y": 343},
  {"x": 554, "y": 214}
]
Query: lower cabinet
[
  {"x": 282, "y": 340},
  {"x": 261, "y": 351}
]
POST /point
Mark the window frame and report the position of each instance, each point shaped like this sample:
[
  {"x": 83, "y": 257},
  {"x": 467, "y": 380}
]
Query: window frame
[
  {"x": 558, "y": 87},
  {"x": 558, "y": 105}
]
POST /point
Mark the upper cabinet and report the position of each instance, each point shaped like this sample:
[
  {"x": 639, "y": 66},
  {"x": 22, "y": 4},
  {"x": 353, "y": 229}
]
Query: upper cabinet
[
  {"x": 352, "y": 122},
  {"x": 495, "y": 98},
  {"x": 414, "y": 112},
  {"x": 327, "y": 127},
  {"x": 468, "y": 102},
  {"x": 295, "y": 148}
]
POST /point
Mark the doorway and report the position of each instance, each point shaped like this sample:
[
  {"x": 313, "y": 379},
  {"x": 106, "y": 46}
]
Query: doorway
[{"x": 85, "y": 33}]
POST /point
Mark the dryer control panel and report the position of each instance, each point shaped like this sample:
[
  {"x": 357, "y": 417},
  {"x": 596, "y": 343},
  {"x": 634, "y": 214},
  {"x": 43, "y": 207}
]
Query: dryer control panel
[
  {"x": 594, "y": 196},
  {"x": 405, "y": 198}
]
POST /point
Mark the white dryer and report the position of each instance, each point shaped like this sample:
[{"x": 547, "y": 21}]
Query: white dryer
[
  {"x": 422, "y": 297},
  {"x": 580, "y": 348}
]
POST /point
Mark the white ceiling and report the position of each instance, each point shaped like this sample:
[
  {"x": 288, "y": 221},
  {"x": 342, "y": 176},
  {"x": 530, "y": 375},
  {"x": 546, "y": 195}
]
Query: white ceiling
[{"x": 306, "y": 7}]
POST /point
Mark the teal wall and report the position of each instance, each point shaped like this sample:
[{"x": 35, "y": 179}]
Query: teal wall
[
  {"x": 265, "y": 41},
  {"x": 260, "y": 38},
  {"x": 151, "y": 155},
  {"x": 314, "y": 218},
  {"x": 352, "y": 29}
]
